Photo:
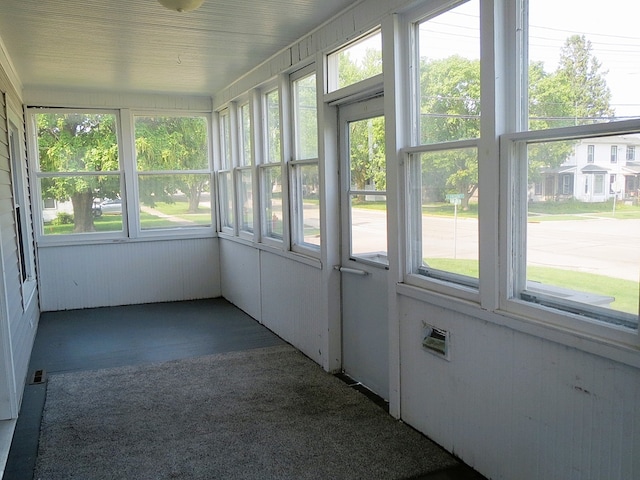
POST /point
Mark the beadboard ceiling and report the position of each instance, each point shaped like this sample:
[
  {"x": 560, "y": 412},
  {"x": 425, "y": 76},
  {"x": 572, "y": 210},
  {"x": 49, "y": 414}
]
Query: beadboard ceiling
[{"x": 138, "y": 46}]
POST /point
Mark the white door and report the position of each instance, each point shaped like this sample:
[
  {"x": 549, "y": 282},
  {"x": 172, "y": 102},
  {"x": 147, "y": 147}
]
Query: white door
[{"x": 364, "y": 265}]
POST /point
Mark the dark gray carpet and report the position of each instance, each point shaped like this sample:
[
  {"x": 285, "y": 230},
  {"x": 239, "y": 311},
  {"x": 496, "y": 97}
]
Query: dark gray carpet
[{"x": 268, "y": 413}]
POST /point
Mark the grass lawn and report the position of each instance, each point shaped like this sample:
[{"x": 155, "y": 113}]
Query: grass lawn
[{"x": 625, "y": 292}]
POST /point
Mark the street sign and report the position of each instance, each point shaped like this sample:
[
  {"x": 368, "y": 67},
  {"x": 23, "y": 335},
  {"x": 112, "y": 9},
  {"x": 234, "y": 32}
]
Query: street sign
[{"x": 455, "y": 198}]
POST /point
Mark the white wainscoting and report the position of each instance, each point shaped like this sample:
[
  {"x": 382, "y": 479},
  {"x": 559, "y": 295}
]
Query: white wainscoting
[
  {"x": 240, "y": 273},
  {"x": 280, "y": 292},
  {"x": 291, "y": 303},
  {"x": 514, "y": 406},
  {"x": 85, "y": 276}
]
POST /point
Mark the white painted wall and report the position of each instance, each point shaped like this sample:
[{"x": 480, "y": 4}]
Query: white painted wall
[
  {"x": 281, "y": 292},
  {"x": 291, "y": 297},
  {"x": 515, "y": 406},
  {"x": 84, "y": 276},
  {"x": 240, "y": 276}
]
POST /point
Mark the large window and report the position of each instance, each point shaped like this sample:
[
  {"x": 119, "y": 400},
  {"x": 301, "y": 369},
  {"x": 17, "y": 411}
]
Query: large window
[
  {"x": 173, "y": 172},
  {"x": 580, "y": 255},
  {"x": 573, "y": 256},
  {"x": 304, "y": 168},
  {"x": 443, "y": 165},
  {"x": 81, "y": 181},
  {"x": 79, "y": 168}
]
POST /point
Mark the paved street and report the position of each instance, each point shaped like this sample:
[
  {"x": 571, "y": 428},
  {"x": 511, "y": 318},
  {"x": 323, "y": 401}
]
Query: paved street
[{"x": 604, "y": 246}]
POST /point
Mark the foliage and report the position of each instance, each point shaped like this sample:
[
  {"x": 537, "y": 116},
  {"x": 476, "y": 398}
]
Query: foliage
[
  {"x": 367, "y": 154},
  {"x": 171, "y": 144},
  {"x": 366, "y": 137},
  {"x": 63, "y": 218},
  {"x": 78, "y": 142},
  {"x": 449, "y": 99},
  {"x": 351, "y": 71},
  {"x": 575, "y": 93}
]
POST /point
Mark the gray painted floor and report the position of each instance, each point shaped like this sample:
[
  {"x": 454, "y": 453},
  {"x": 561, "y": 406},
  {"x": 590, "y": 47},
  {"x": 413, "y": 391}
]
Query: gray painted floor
[{"x": 90, "y": 339}]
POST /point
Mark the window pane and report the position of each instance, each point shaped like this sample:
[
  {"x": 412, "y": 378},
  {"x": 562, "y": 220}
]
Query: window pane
[
  {"x": 368, "y": 211},
  {"x": 245, "y": 199},
  {"x": 582, "y": 245},
  {"x": 583, "y": 68},
  {"x": 367, "y": 160},
  {"x": 306, "y": 204},
  {"x": 225, "y": 140},
  {"x": 272, "y": 105},
  {"x": 171, "y": 143},
  {"x": 357, "y": 62},
  {"x": 444, "y": 186},
  {"x": 272, "y": 206},
  {"x": 246, "y": 157},
  {"x": 368, "y": 217},
  {"x": 77, "y": 142},
  {"x": 225, "y": 189},
  {"x": 171, "y": 201},
  {"x": 82, "y": 210},
  {"x": 449, "y": 75},
  {"x": 305, "y": 118}
]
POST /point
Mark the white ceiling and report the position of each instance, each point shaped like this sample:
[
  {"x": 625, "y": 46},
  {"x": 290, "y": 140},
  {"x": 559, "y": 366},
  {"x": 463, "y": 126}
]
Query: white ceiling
[{"x": 139, "y": 46}]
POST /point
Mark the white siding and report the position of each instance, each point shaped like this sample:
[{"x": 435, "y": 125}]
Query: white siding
[
  {"x": 18, "y": 319},
  {"x": 83, "y": 276},
  {"x": 515, "y": 406}
]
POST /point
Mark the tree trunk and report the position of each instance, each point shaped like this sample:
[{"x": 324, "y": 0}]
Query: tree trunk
[
  {"x": 83, "y": 212},
  {"x": 194, "y": 198}
]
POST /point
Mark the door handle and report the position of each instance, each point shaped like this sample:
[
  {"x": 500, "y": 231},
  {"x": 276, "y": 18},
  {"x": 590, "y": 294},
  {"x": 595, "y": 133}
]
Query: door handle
[{"x": 353, "y": 271}]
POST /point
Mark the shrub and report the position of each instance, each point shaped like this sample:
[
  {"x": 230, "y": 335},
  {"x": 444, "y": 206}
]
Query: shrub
[{"x": 63, "y": 218}]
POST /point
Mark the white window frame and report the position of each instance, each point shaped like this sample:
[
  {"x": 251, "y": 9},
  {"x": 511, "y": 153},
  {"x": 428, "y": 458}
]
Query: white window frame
[
  {"x": 243, "y": 166},
  {"x": 361, "y": 89},
  {"x": 296, "y": 221},
  {"x": 564, "y": 314},
  {"x": 133, "y": 207},
  {"x": 264, "y": 165},
  {"x": 224, "y": 167},
  {"x": 442, "y": 282},
  {"x": 36, "y": 175}
]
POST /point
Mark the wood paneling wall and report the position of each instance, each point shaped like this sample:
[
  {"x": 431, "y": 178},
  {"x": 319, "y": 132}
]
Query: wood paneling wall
[{"x": 83, "y": 276}]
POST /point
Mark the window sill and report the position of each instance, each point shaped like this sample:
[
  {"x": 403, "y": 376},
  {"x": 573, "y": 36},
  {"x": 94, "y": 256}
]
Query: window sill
[
  {"x": 613, "y": 350},
  {"x": 54, "y": 242},
  {"x": 294, "y": 256}
]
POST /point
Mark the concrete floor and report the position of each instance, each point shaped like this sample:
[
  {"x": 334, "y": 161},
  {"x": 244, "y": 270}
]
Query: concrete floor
[{"x": 90, "y": 339}]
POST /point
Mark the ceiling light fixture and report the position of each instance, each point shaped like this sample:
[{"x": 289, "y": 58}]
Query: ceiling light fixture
[{"x": 181, "y": 5}]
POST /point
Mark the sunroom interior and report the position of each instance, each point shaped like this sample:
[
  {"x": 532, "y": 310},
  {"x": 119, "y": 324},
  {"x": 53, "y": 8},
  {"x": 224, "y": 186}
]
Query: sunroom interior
[{"x": 365, "y": 179}]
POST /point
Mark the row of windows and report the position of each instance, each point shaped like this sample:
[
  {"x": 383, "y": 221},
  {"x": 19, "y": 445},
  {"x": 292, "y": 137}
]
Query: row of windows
[
  {"x": 88, "y": 189},
  {"x": 269, "y": 188},
  {"x": 565, "y": 234},
  {"x": 630, "y": 156}
]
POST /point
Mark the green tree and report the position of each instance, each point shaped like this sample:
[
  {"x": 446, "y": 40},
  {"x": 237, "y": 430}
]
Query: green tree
[
  {"x": 576, "y": 93},
  {"x": 171, "y": 144},
  {"x": 366, "y": 137},
  {"x": 78, "y": 143},
  {"x": 449, "y": 111},
  {"x": 367, "y": 154}
]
